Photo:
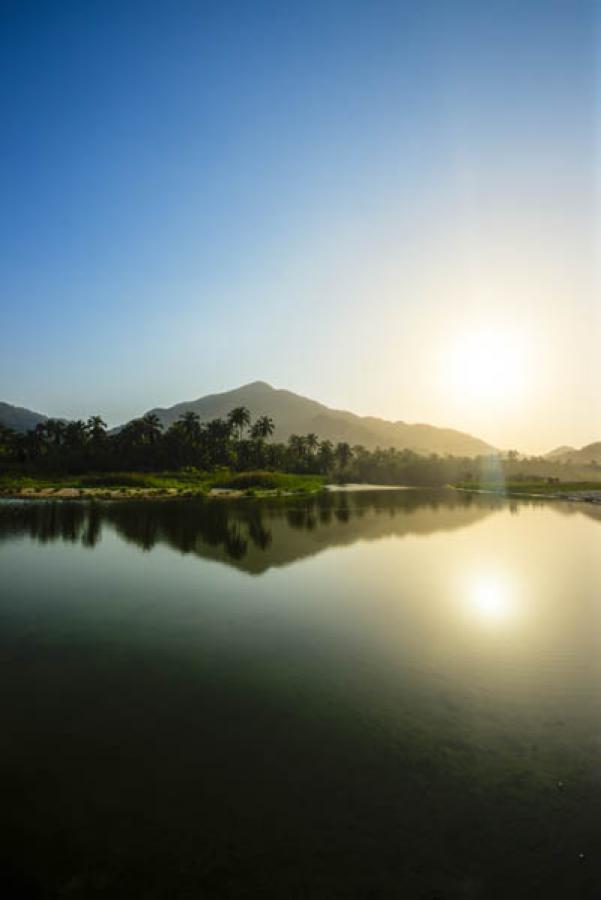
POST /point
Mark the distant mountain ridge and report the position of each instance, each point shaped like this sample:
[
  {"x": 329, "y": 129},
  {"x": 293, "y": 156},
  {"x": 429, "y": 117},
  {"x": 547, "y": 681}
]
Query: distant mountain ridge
[
  {"x": 295, "y": 414},
  {"x": 586, "y": 455},
  {"x": 558, "y": 452},
  {"x": 19, "y": 418}
]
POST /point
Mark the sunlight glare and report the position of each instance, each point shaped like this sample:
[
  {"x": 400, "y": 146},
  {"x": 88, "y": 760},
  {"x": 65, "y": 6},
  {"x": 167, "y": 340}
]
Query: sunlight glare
[
  {"x": 486, "y": 366},
  {"x": 490, "y": 598}
]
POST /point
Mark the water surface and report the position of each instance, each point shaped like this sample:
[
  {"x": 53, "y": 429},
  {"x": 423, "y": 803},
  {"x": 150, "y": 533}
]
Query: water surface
[{"x": 371, "y": 695}]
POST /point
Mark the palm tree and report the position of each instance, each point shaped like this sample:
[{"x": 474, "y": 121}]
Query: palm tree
[
  {"x": 96, "y": 428},
  {"x": 312, "y": 443},
  {"x": 7, "y": 439},
  {"x": 256, "y": 455},
  {"x": 75, "y": 435},
  {"x": 190, "y": 425},
  {"x": 132, "y": 434},
  {"x": 55, "y": 431},
  {"x": 239, "y": 418},
  {"x": 325, "y": 456},
  {"x": 362, "y": 458},
  {"x": 152, "y": 428},
  {"x": 215, "y": 436},
  {"x": 263, "y": 428},
  {"x": 343, "y": 454},
  {"x": 297, "y": 445},
  {"x": 35, "y": 442}
]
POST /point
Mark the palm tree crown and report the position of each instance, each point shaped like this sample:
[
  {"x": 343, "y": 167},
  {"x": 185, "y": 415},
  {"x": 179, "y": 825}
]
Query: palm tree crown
[
  {"x": 239, "y": 418},
  {"x": 263, "y": 428}
]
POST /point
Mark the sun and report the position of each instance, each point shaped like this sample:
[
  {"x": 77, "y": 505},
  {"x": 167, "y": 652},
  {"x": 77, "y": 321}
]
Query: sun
[{"x": 486, "y": 366}]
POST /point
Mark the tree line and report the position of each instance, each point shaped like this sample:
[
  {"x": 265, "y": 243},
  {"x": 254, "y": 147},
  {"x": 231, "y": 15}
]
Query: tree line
[
  {"x": 144, "y": 444},
  {"x": 241, "y": 444}
]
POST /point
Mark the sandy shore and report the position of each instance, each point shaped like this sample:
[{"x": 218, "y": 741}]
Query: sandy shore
[
  {"x": 70, "y": 493},
  {"x": 67, "y": 493},
  {"x": 369, "y": 487},
  {"x": 97, "y": 493}
]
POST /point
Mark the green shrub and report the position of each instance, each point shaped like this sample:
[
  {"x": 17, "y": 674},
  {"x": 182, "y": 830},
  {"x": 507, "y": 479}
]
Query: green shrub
[
  {"x": 116, "y": 479},
  {"x": 264, "y": 480}
]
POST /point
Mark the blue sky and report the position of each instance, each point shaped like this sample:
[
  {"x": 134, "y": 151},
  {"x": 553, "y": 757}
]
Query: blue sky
[{"x": 321, "y": 195}]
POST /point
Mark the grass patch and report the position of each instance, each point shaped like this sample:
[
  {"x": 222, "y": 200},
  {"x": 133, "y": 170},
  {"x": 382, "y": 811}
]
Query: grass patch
[
  {"x": 112, "y": 481},
  {"x": 530, "y": 487},
  {"x": 242, "y": 480},
  {"x": 269, "y": 481},
  {"x": 185, "y": 483},
  {"x": 119, "y": 480}
]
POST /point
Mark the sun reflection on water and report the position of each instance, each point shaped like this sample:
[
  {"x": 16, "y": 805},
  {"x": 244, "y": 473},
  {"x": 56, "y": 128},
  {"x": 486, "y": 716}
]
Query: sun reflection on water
[{"x": 491, "y": 598}]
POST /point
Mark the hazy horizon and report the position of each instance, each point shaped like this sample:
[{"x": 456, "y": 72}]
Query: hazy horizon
[
  {"x": 84, "y": 414},
  {"x": 391, "y": 209}
]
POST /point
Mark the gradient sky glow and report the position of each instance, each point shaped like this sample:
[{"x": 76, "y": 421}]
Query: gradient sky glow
[{"x": 335, "y": 197}]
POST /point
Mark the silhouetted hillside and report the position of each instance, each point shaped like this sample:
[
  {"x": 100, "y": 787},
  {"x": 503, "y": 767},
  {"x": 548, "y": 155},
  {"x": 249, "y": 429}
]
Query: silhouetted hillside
[
  {"x": 18, "y": 418},
  {"x": 294, "y": 414},
  {"x": 559, "y": 452},
  {"x": 585, "y": 456}
]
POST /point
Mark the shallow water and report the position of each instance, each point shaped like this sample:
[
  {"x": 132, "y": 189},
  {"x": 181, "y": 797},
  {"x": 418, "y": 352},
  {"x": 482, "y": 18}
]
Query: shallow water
[{"x": 371, "y": 695}]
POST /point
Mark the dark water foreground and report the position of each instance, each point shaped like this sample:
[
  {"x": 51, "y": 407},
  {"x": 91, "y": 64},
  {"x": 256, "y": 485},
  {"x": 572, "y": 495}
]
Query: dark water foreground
[{"x": 387, "y": 695}]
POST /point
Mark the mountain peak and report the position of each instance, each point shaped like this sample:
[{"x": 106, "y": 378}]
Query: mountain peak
[
  {"x": 256, "y": 385},
  {"x": 295, "y": 414},
  {"x": 585, "y": 456},
  {"x": 560, "y": 451}
]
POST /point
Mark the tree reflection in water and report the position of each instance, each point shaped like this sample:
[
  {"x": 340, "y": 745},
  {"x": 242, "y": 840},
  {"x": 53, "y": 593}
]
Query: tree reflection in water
[
  {"x": 273, "y": 531},
  {"x": 256, "y": 534}
]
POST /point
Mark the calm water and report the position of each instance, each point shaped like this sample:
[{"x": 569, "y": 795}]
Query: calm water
[{"x": 371, "y": 695}]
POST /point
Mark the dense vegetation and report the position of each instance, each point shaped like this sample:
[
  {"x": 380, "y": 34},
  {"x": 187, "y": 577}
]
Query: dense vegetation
[{"x": 236, "y": 445}]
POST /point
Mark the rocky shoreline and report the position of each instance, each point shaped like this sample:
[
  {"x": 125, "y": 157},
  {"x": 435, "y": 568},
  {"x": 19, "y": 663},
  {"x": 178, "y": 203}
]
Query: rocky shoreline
[
  {"x": 572, "y": 497},
  {"x": 581, "y": 496}
]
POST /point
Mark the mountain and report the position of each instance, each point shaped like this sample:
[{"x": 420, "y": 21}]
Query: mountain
[
  {"x": 583, "y": 457},
  {"x": 18, "y": 418},
  {"x": 294, "y": 414},
  {"x": 558, "y": 452}
]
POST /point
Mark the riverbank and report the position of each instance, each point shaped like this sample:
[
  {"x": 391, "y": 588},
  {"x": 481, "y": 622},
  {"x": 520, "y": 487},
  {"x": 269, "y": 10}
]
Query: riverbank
[
  {"x": 157, "y": 485},
  {"x": 225, "y": 483},
  {"x": 577, "y": 491}
]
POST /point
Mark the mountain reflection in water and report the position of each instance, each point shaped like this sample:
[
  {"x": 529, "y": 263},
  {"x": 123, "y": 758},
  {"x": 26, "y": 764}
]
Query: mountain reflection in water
[{"x": 253, "y": 535}]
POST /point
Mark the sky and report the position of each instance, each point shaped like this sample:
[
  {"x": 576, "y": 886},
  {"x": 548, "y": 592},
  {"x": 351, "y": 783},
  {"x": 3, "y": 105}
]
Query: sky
[{"x": 390, "y": 207}]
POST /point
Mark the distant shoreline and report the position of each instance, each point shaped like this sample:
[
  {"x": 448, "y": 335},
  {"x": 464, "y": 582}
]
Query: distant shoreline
[
  {"x": 584, "y": 496},
  {"x": 165, "y": 486}
]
